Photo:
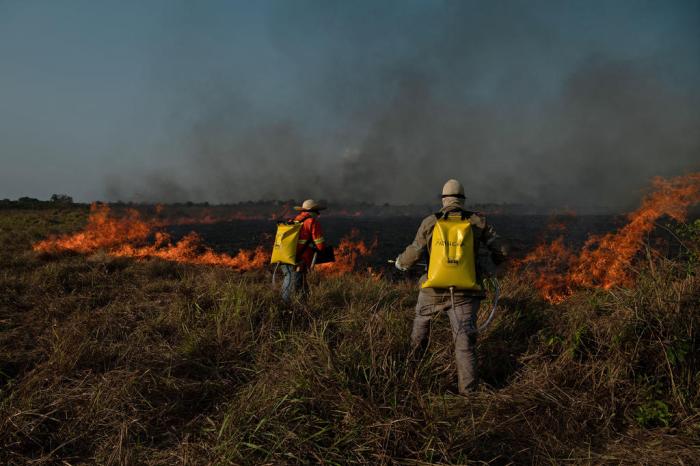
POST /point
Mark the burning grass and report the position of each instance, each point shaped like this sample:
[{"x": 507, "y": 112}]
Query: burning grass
[
  {"x": 347, "y": 255},
  {"x": 605, "y": 261},
  {"x": 129, "y": 235},
  {"x": 111, "y": 360}
]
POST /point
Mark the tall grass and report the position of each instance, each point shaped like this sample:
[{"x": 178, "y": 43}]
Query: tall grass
[{"x": 112, "y": 361}]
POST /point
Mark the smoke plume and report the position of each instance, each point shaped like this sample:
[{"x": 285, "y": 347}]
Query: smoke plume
[{"x": 384, "y": 102}]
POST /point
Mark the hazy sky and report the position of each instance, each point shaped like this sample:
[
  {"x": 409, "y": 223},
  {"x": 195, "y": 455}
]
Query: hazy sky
[{"x": 557, "y": 102}]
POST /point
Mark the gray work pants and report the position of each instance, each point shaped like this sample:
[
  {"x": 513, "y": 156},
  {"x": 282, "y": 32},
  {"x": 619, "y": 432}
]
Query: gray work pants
[{"x": 462, "y": 319}]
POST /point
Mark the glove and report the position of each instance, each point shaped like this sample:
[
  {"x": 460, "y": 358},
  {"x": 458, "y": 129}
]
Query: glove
[{"x": 399, "y": 265}]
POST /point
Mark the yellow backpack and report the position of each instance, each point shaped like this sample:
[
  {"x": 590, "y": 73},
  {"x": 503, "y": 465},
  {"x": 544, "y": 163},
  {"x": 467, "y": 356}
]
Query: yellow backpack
[
  {"x": 284, "y": 251},
  {"x": 452, "y": 262}
]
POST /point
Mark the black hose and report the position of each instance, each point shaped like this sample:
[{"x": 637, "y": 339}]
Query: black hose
[
  {"x": 274, "y": 272},
  {"x": 496, "y": 295}
]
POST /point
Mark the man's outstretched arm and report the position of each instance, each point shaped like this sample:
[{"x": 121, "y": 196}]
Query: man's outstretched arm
[
  {"x": 495, "y": 244},
  {"x": 413, "y": 251}
]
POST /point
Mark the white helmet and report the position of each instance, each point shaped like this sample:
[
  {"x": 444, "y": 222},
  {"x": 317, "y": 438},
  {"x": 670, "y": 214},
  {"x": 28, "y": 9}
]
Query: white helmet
[
  {"x": 453, "y": 188},
  {"x": 310, "y": 205}
]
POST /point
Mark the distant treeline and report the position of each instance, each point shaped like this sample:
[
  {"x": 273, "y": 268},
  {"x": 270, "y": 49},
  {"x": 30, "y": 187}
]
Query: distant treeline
[
  {"x": 267, "y": 207},
  {"x": 56, "y": 200}
]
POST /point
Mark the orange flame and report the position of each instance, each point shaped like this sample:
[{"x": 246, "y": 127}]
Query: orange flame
[
  {"x": 191, "y": 250},
  {"x": 121, "y": 237},
  {"x": 347, "y": 254},
  {"x": 102, "y": 232},
  {"x": 604, "y": 261},
  {"x": 547, "y": 266},
  {"x": 126, "y": 237}
]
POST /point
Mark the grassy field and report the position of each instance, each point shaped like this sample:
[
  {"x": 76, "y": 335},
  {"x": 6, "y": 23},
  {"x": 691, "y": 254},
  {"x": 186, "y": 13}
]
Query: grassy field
[{"x": 115, "y": 361}]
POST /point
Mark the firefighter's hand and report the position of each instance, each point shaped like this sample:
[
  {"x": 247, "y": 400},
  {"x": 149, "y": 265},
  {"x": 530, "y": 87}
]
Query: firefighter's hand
[{"x": 399, "y": 265}]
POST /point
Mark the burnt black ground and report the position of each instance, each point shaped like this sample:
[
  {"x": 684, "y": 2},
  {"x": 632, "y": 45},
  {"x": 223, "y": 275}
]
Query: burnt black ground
[{"x": 393, "y": 234}]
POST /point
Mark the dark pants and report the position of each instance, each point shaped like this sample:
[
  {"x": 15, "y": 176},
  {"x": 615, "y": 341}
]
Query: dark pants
[
  {"x": 462, "y": 319},
  {"x": 293, "y": 282}
]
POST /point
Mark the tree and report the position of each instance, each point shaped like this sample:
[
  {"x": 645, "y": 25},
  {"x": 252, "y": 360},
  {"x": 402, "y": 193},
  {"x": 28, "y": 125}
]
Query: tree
[{"x": 61, "y": 199}]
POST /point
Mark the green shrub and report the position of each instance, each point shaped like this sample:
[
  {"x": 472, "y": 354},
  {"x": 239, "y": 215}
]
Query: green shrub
[{"x": 653, "y": 413}]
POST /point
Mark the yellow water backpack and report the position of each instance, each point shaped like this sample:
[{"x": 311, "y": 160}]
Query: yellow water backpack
[
  {"x": 452, "y": 263},
  {"x": 284, "y": 251}
]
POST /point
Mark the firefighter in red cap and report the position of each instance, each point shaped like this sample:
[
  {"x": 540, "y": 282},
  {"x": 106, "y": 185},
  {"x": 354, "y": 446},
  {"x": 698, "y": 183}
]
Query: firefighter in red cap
[{"x": 311, "y": 241}]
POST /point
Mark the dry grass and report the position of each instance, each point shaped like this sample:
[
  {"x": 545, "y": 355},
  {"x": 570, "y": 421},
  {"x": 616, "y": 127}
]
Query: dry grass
[{"x": 112, "y": 361}]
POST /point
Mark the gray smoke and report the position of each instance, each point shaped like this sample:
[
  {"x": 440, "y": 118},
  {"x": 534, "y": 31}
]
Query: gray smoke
[{"x": 385, "y": 103}]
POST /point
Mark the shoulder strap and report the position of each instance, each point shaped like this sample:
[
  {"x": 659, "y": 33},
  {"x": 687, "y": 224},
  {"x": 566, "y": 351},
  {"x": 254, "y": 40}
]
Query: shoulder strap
[
  {"x": 464, "y": 214},
  {"x": 292, "y": 221}
]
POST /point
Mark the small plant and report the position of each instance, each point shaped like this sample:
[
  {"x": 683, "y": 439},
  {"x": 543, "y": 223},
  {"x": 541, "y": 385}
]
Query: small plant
[
  {"x": 581, "y": 342},
  {"x": 653, "y": 413},
  {"x": 677, "y": 352},
  {"x": 688, "y": 234},
  {"x": 553, "y": 340}
]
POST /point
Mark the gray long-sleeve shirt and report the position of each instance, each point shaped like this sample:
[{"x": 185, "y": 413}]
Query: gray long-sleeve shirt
[{"x": 484, "y": 234}]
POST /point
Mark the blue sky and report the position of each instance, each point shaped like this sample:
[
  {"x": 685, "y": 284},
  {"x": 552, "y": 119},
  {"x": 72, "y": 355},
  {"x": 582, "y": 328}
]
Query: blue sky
[{"x": 229, "y": 101}]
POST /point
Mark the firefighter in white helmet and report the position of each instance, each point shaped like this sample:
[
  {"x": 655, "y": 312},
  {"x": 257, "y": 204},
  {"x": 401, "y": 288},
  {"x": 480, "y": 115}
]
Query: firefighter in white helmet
[{"x": 434, "y": 301}]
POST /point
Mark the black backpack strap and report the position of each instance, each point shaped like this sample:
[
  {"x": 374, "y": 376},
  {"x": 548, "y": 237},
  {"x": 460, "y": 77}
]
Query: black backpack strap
[{"x": 464, "y": 214}]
